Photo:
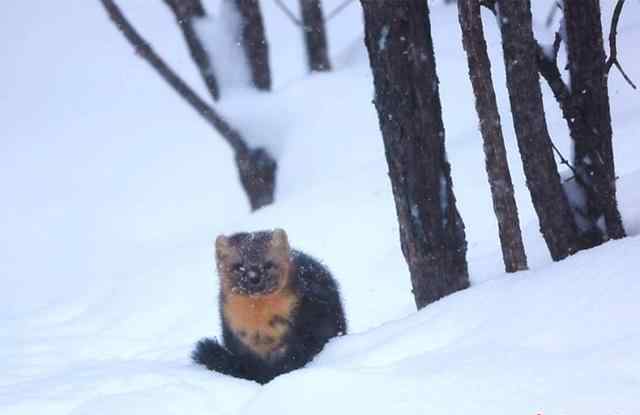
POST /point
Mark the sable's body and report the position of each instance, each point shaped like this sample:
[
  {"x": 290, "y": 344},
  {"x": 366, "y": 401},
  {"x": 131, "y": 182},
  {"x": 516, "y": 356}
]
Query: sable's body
[{"x": 279, "y": 325}]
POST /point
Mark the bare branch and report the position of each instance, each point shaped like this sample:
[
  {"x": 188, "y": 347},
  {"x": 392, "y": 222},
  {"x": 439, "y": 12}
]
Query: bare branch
[
  {"x": 613, "y": 34},
  {"x": 556, "y": 45},
  {"x": 333, "y": 13},
  {"x": 145, "y": 51},
  {"x": 291, "y": 15},
  {"x": 563, "y": 160},
  {"x": 613, "y": 43},
  {"x": 548, "y": 68},
  {"x": 489, "y": 4},
  {"x": 185, "y": 12},
  {"x": 552, "y": 13}
]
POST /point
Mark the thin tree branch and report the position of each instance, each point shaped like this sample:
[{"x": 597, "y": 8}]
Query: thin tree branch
[
  {"x": 144, "y": 50},
  {"x": 563, "y": 160},
  {"x": 613, "y": 43},
  {"x": 287, "y": 11},
  {"x": 185, "y": 12},
  {"x": 548, "y": 68},
  {"x": 292, "y": 16},
  {"x": 613, "y": 34},
  {"x": 624, "y": 74},
  {"x": 552, "y": 14},
  {"x": 337, "y": 10}
]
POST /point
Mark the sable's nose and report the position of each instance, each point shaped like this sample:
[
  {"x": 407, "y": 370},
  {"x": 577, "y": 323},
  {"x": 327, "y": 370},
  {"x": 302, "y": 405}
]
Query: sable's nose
[{"x": 254, "y": 277}]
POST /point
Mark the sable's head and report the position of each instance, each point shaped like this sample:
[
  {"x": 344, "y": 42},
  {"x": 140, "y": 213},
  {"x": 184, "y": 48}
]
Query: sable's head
[{"x": 255, "y": 263}]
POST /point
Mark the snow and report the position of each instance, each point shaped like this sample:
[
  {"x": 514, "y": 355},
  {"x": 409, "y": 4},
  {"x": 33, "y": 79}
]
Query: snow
[
  {"x": 114, "y": 190},
  {"x": 382, "y": 41},
  {"x": 222, "y": 34}
]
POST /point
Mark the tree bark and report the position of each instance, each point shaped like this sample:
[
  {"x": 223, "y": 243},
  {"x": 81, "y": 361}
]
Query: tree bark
[
  {"x": 557, "y": 223},
  {"x": 256, "y": 167},
  {"x": 398, "y": 39},
  {"x": 257, "y": 170},
  {"x": 254, "y": 42},
  {"x": 504, "y": 204},
  {"x": 591, "y": 132},
  {"x": 315, "y": 35},
  {"x": 186, "y": 12}
]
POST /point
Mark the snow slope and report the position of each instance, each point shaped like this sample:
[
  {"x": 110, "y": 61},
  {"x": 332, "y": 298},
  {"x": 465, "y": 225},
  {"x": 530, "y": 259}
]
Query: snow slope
[{"x": 113, "y": 191}]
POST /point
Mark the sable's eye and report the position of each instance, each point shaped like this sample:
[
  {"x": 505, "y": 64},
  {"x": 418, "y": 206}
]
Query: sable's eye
[{"x": 269, "y": 266}]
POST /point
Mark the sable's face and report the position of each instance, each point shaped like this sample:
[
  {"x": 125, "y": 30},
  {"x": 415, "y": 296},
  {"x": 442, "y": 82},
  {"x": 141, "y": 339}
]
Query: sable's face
[{"x": 254, "y": 263}]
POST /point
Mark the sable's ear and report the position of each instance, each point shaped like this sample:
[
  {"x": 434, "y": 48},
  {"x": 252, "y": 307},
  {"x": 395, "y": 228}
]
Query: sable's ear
[
  {"x": 223, "y": 249},
  {"x": 280, "y": 241}
]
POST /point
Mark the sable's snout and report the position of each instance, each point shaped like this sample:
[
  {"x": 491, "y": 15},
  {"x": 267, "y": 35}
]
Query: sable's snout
[
  {"x": 254, "y": 281},
  {"x": 254, "y": 278}
]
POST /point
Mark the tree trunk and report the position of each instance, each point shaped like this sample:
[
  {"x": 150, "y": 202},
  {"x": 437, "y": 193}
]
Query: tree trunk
[
  {"x": 589, "y": 97},
  {"x": 315, "y": 35},
  {"x": 497, "y": 166},
  {"x": 254, "y": 42},
  {"x": 186, "y": 12},
  {"x": 257, "y": 171},
  {"x": 398, "y": 39},
  {"x": 557, "y": 223}
]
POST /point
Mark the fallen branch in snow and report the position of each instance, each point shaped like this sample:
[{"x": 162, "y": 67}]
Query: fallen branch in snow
[
  {"x": 613, "y": 44},
  {"x": 256, "y": 167}
]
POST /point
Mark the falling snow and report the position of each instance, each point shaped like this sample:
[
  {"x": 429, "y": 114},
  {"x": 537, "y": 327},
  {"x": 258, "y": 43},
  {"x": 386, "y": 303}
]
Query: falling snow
[{"x": 114, "y": 191}]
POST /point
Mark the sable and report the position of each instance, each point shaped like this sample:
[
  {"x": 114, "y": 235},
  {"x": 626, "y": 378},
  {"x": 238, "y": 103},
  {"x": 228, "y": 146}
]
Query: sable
[{"x": 278, "y": 307}]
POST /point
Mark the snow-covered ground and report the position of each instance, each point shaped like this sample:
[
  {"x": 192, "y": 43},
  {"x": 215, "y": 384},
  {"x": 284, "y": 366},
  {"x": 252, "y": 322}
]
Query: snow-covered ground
[{"x": 113, "y": 192}]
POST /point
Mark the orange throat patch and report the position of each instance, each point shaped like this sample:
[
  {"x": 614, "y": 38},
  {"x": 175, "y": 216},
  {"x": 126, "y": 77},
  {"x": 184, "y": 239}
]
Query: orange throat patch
[{"x": 261, "y": 322}]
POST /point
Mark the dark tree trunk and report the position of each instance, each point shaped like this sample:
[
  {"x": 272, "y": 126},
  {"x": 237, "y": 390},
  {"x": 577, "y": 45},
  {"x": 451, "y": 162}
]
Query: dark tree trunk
[
  {"x": 497, "y": 166},
  {"x": 589, "y": 99},
  {"x": 557, "y": 223},
  {"x": 398, "y": 38},
  {"x": 256, "y": 167},
  {"x": 254, "y": 42},
  {"x": 186, "y": 11},
  {"x": 315, "y": 36}
]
